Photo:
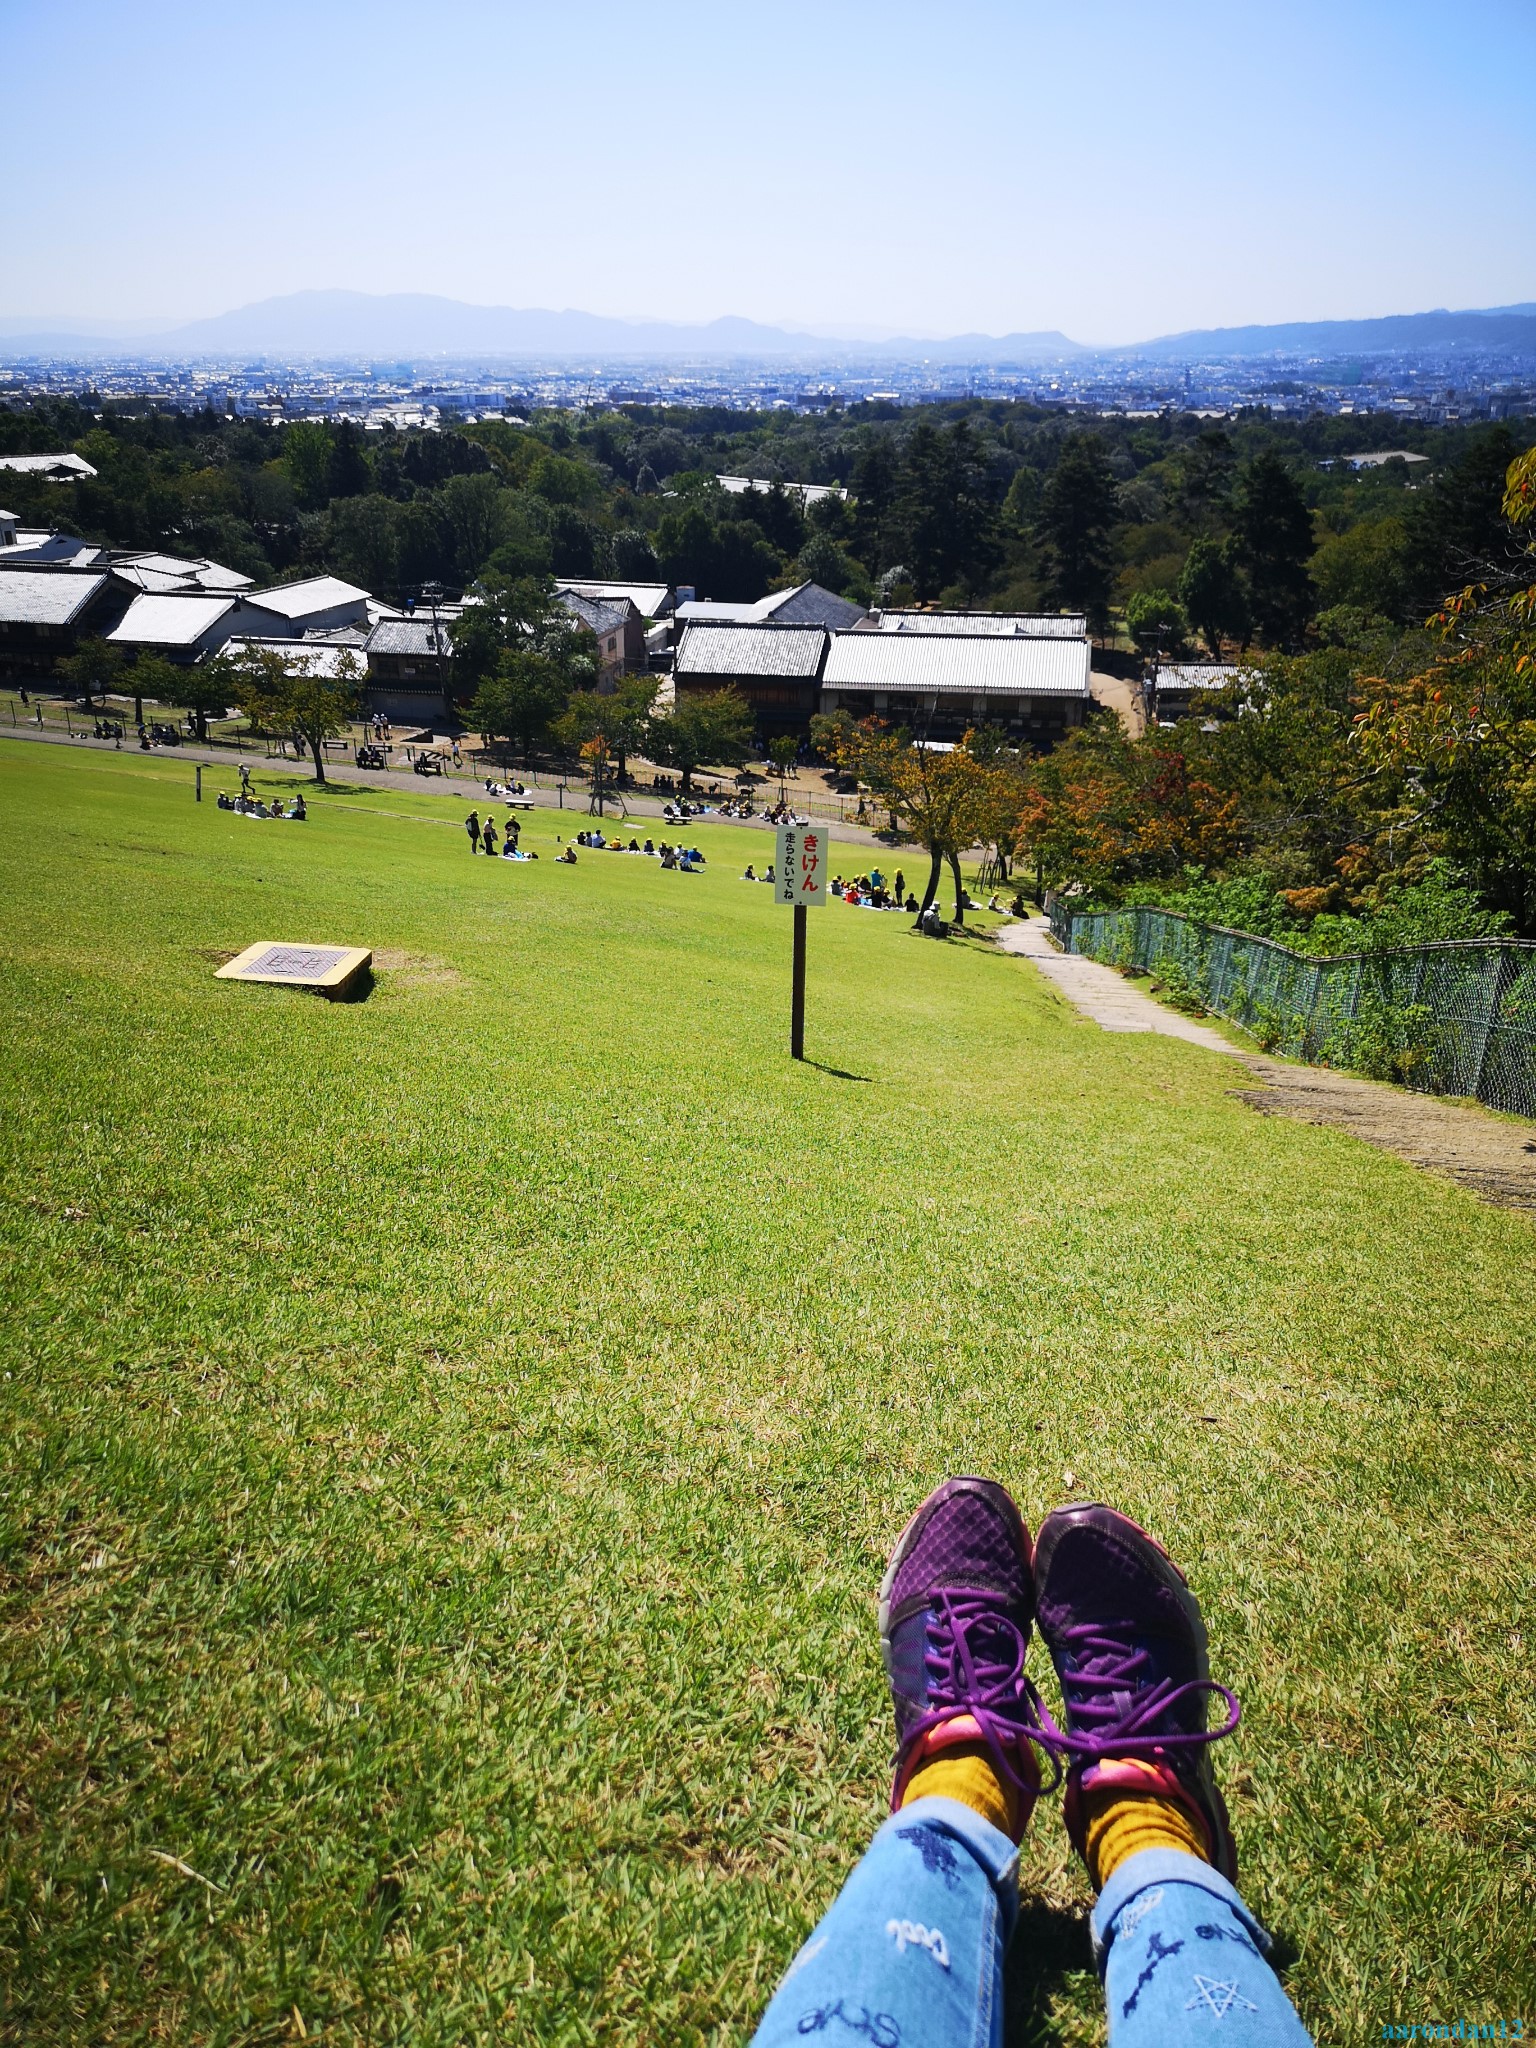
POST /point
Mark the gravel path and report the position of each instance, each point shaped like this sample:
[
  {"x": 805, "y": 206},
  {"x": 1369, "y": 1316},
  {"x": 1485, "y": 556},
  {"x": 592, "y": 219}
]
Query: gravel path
[{"x": 1493, "y": 1156}]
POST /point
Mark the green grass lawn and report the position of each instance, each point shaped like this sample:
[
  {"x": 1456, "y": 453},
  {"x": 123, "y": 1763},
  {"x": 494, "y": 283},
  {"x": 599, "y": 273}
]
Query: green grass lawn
[{"x": 451, "y": 1440}]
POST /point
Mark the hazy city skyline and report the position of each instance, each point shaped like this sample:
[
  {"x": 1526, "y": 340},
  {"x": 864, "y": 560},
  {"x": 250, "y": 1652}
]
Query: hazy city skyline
[{"x": 1114, "y": 173}]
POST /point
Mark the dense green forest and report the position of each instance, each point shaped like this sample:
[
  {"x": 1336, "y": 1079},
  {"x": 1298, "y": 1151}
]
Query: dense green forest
[{"x": 1189, "y": 532}]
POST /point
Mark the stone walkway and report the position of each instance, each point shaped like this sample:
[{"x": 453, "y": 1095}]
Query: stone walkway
[
  {"x": 1102, "y": 994},
  {"x": 1493, "y": 1156}
]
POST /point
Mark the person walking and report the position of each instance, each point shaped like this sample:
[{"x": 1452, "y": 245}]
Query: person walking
[
  {"x": 911, "y": 1950},
  {"x": 472, "y": 827}
]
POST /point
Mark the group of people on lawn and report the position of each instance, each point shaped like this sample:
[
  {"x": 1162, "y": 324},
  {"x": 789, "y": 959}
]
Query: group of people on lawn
[
  {"x": 687, "y": 859},
  {"x": 484, "y": 835},
  {"x": 249, "y": 806}
]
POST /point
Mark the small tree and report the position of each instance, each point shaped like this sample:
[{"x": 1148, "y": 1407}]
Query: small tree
[
  {"x": 715, "y": 728},
  {"x": 206, "y": 687},
  {"x": 1212, "y": 595},
  {"x": 93, "y": 669},
  {"x": 782, "y": 752},
  {"x": 520, "y": 699},
  {"x": 156, "y": 678},
  {"x": 285, "y": 693},
  {"x": 1155, "y": 621}
]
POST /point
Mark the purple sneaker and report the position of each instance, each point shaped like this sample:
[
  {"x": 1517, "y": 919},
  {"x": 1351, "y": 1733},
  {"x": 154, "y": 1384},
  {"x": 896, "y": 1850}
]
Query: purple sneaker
[
  {"x": 955, "y": 1610},
  {"x": 1125, "y": 1634}
]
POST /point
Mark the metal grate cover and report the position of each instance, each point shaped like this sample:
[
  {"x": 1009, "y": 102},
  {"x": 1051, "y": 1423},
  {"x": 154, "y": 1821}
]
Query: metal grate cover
[{"x": 297, "y": 963}]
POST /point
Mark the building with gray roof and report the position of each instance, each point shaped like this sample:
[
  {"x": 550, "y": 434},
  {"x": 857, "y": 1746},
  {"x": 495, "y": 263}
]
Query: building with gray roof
[
  {"x": 651, "y": 600},
  {"x": 1174, "y": 689},
  {"x": 1015, "y": 625},
  {"x": 315, "y": 604},
  {"x": 807, "y": 604},
  {"x": 943, "y": 684},
  {"x": 58, "y": 469},
  {"x": 45, "y": 613},
  {"x": 776, "y": 668}
]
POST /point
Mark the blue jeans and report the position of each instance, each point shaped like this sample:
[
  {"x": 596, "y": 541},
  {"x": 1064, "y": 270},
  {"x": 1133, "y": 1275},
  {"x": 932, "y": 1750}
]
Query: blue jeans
[{"x": 910, "y": 1953}]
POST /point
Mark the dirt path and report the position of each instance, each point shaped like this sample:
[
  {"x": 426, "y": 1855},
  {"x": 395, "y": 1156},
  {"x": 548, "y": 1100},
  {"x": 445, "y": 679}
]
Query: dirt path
[{"x": 1493, "y": 1156}]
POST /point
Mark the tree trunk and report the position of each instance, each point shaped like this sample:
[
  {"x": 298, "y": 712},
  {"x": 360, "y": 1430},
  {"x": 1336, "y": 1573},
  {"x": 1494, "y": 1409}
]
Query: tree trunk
[
  {"x": 202, "y": 725},
  {"x": 954, "y": 868},
  {"x": 934, "y": 873},
  {"x": 316, "y": 748}
]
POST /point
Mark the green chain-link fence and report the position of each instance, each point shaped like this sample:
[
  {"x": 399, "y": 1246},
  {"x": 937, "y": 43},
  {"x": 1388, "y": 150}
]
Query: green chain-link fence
[{"x": 1457, "y": 1017}]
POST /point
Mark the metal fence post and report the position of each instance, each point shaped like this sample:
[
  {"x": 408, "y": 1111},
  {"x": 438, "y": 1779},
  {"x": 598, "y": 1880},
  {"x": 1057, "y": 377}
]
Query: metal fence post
[{"x": 1493, "y": 975}]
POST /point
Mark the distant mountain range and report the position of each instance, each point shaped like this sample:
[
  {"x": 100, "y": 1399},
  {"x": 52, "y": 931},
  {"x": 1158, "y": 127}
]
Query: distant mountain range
[{"x": 413, "y": 325}]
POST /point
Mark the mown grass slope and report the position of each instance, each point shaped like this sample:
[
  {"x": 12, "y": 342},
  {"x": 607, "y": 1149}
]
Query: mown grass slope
[{"x": 451, "y": 1439}]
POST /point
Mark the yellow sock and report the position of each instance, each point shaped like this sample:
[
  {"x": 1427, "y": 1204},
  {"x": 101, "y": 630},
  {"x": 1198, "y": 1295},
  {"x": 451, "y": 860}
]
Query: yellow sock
[
  {"x": 1121, "y": 1823},
  {"x": 968, "y": 1773}
]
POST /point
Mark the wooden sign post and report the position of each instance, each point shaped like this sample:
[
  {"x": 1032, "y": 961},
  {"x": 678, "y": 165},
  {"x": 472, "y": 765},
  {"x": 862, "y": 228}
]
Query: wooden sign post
[{"x": 800, "y": 879}]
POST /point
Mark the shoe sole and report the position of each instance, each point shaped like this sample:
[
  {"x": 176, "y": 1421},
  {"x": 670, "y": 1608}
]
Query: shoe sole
[{"x": 992, "y": 1491}]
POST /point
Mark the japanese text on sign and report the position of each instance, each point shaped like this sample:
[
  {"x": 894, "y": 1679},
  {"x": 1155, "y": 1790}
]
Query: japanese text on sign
[{"x": 800, "y": 871}]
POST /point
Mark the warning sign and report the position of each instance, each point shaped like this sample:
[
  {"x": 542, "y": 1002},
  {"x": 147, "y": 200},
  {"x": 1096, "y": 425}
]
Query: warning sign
[{"x": 800, "y": 871}]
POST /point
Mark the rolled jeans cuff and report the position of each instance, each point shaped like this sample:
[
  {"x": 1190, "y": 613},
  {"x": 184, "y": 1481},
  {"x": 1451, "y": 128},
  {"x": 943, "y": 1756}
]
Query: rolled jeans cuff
[
  {"x": 1161, "y": 1866},
  {"x": 997, "y": 1854}
]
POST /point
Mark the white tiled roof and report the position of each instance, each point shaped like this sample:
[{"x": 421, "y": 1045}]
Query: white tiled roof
[
  {"x": 650, "y": 600},
  {"x": 984, "y": 664},
  {"x": 313, "y": 657},
  {"x": 718, "y": 609},
  {"x": 1194, "y": 675},
  {"x": 736, "y": 650},
  {"x": 45, "y": 597},
  {"x": 318, "y": 594},
  {"x": 170, "y": 621},
  {"x": 1027, "y": 625},
  {"x": 72, "y": 465}
]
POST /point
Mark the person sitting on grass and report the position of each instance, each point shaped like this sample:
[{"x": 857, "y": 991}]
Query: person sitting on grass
[
  {"x": 509, "y": 848},
  {"x": 911, "y": 1950},
  {"x": 768, "y": 874},
  {"x": 668, "y": 857},
  {"x": 225, "y": 804},
  {"x": 648, "y": 847},
  {"x": 568, "y": 858},
  {"x": 749, "y": 873}
]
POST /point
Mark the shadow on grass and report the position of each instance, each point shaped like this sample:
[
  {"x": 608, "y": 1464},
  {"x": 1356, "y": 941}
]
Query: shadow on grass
[
  {"x": 357, "y": 990},
  {"x": 1049, "y": 1945},
  {"x": 836, "y": 1073}
]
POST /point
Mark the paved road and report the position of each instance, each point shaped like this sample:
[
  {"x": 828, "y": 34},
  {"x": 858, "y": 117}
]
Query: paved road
[{"x": 228, "y": 762}]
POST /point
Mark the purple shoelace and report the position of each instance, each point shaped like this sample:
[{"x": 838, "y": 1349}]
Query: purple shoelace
[
  {"x": 1115, "y": 1708},
  {"x": 975, "y": 1664}
]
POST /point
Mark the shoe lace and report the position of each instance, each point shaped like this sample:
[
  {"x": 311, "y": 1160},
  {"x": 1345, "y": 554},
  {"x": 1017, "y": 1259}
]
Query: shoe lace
[
  {"x": 974, "y": 1658},
  {"x": 1116, "y": 1706}
]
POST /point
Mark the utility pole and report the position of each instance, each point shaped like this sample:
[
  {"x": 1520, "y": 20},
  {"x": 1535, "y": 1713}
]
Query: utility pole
[{"x": 433, "y": 593}]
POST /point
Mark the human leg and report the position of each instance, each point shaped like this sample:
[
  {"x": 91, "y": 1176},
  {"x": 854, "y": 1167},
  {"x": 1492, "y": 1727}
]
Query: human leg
[
  {"x": 911, "y": 1950},
  {"x": 1178, "y": 1950}
]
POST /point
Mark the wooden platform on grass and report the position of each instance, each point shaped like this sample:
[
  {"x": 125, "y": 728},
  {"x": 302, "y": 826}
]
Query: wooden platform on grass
[{"x": 326, "y": 970}]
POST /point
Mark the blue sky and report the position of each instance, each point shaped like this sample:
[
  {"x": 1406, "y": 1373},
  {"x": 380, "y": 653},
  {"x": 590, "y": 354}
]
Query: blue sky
[{"x": 1111, "y": 169}]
